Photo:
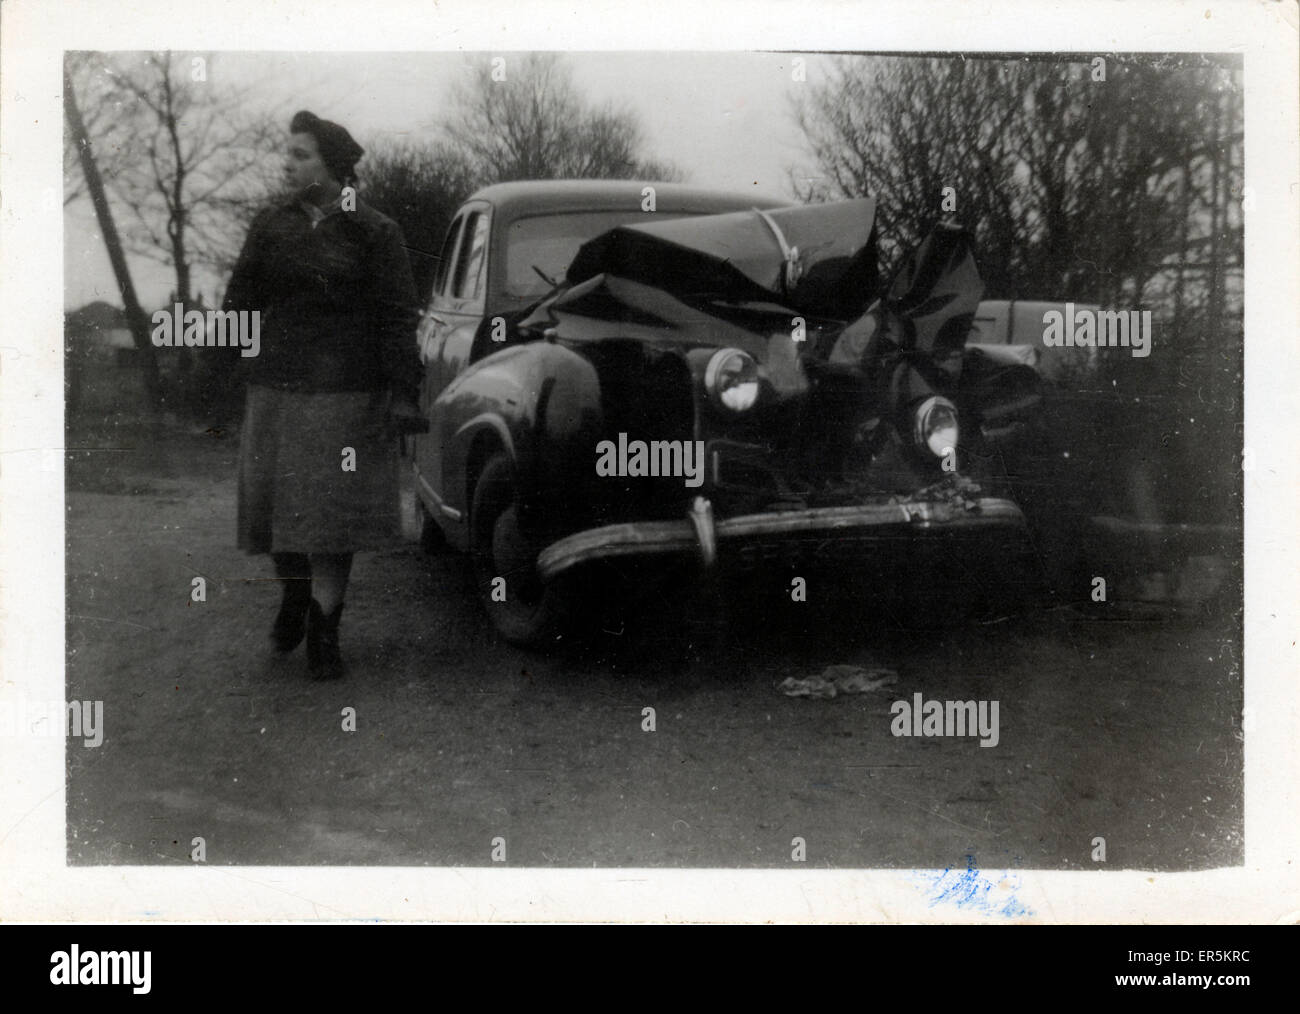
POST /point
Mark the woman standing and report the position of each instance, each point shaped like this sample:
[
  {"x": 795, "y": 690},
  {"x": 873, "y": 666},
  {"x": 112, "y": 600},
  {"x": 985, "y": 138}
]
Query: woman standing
[{"x": 337, "y": 373}]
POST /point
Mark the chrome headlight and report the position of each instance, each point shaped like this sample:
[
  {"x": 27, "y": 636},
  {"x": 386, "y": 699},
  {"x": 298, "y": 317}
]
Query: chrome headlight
[
  {"x": 731, "y": 378},
  {"x": 934, "y": 426}
]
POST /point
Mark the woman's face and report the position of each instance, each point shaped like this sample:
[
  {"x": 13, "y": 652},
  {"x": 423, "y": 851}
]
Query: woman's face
[{"x": 304, "y": 166}]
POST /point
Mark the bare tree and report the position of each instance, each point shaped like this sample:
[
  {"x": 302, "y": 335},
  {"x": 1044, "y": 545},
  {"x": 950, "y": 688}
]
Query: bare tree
[
  {"x": 522, "y": 118},
  {"x": 1081, "y": 180},
  {"x": 190, "y": 159},
  {"x": 186, "y": 161},
  {"x": 99, "y": 114},
  {"x": 135, "y": 315}
]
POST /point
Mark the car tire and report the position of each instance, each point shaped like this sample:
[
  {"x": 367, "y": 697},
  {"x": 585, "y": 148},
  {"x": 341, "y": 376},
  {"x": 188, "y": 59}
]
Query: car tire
[{"x": 523, "y": 609}]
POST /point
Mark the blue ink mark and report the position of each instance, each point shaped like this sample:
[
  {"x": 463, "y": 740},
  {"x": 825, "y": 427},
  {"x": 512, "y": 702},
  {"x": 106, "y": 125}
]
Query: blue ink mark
[{"x": 975, "y": 891}]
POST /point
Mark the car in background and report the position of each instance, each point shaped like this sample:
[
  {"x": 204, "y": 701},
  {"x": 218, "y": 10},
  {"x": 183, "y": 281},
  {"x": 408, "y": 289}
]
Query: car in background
[{"x": 1089, "y": 460}]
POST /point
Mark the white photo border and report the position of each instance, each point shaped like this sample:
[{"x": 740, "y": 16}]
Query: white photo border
[{"x": 37, "y": 885}]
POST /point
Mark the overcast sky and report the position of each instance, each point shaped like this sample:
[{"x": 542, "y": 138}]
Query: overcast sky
[{"x": 724, "y": 118}]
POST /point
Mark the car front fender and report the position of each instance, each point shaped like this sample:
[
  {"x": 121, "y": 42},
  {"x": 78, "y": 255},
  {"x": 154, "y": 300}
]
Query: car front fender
[{"x": 540, "y": 403}]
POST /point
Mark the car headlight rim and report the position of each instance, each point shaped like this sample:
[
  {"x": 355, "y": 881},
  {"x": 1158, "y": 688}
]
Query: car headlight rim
[
  {"x": 935, "y": 427},
  {"x": 731, "y": 379}
]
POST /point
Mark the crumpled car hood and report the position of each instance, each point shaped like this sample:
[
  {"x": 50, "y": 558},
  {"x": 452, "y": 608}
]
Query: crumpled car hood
[
  {"x": 610, "y": 307},
  {"x": 741, "y": 279},
  {"x": 929, "y": 310},
  {"x": 817, "y": 259}
]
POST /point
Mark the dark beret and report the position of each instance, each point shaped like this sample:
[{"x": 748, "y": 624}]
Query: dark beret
[{"x": 338, "y": 150}]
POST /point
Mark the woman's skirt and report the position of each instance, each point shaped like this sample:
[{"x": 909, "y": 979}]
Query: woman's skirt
[{"x": 317, "y": 473}]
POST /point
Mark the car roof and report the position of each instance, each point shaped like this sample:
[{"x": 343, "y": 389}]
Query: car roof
[{"x": 543, "y": 196}]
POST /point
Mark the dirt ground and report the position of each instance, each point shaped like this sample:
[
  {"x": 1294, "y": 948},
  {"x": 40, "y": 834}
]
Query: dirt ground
[{"x": 1121, "y": 723}]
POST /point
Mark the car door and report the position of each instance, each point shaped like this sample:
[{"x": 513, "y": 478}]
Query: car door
[
  {"x": 447, "y": 332},
  {"x": 458, "y": 308}
]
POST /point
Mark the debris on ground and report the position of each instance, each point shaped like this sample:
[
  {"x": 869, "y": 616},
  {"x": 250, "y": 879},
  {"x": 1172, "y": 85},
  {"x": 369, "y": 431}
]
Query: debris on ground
[{"x": 838, "y": 679}]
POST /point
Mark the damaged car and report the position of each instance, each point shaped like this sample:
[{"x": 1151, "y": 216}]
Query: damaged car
[{"x": 620, "y": 375}]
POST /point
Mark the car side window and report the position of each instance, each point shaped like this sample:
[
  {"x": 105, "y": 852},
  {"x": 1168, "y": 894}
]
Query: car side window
[
  {"x": 445, "y": 257},
  {"x": 469, "y": 265}
]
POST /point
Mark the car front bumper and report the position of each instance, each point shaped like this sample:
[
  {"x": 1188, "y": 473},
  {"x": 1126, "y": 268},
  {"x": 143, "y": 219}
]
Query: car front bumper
[{"x": 824, "y": 532}]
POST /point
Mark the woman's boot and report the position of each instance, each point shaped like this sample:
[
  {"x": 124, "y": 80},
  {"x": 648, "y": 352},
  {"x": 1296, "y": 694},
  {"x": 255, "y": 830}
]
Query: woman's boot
[
  {"x": 294, "y": 573},
  {"x": 323, "y": 659}
]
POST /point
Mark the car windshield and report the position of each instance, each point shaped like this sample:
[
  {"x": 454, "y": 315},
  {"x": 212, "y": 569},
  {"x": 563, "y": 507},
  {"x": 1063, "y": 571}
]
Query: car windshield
[{"x": 547, "y": 243}]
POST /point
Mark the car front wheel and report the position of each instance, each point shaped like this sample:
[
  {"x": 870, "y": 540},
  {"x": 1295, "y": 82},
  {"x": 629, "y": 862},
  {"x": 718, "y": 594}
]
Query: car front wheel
[{"x": 523, "y": 608}]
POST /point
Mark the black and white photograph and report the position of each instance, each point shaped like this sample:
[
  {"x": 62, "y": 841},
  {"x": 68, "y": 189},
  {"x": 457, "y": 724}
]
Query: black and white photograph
[{"x": 760, "y": 455}]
